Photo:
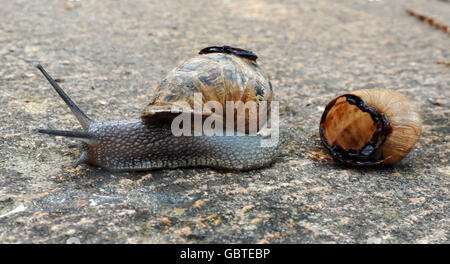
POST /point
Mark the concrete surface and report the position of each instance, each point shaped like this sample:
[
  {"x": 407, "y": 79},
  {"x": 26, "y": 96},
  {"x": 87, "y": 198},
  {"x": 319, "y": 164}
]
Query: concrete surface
[{"x": 109, "y": 55}]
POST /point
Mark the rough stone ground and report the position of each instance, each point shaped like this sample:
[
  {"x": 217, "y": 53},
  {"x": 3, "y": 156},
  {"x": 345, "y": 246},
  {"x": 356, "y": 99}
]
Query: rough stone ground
[{"x": 109, "y": 55}]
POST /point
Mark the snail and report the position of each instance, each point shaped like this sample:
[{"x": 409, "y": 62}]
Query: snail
[
  {"x": 374, "y": 126},
  {"x": 218, "y": 74}
]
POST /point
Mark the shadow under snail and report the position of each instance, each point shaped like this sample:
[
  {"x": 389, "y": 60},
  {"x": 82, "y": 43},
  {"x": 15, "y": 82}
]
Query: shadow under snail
[
  {"x": 374, "y": 126},
  {"x": 219, "y": 74}
]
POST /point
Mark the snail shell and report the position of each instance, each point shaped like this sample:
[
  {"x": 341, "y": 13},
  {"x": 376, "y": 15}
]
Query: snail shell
[
  {"x": 374, "y": 126},
  {"x": 219, "y": 77}
]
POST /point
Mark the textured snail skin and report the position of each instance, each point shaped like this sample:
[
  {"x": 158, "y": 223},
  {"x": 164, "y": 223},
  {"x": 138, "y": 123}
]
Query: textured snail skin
[{"x": 132, "y": 144}]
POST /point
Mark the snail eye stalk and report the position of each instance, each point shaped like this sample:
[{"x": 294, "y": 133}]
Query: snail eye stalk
[
  {"x": 84, "y": 120},
  {"x": 65, "y": 133}
]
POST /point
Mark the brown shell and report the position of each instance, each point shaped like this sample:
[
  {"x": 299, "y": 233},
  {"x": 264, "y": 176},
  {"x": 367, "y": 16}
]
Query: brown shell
[
  {"x": 217, "y": 77},
  {"x": 375, "y": 126}
]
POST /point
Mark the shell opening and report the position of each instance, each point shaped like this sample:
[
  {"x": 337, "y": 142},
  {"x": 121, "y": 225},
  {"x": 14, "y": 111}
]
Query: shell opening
[{"x": 353, "y": 131}]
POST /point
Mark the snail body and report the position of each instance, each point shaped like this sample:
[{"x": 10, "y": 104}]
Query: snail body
[
  {"x": 219, "y": 74},
  {"x": 373, "y": 126}
]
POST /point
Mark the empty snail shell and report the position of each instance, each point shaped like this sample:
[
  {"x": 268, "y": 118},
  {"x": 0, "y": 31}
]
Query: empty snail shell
[
  {"x": 218, "y": 74},
  {"x": 374, "y": 126}
]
